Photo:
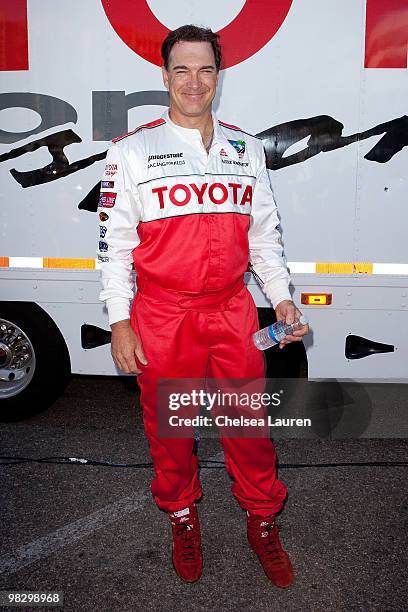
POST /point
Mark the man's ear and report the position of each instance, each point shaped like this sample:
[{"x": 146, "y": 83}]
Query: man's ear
[{"x": 165, "y": 76}]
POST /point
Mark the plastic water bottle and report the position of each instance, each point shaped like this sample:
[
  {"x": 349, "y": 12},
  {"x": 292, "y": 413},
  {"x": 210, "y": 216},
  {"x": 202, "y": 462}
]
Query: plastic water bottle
[{"x": 273, "y": 334}]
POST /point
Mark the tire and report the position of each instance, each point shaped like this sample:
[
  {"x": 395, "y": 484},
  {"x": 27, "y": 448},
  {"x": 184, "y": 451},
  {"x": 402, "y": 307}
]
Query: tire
[{"x": 34, "y": 361}]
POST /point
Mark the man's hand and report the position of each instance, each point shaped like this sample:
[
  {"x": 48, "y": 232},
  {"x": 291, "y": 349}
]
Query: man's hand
[
  {"x": 287, "y": 311},
  {"x": 125, "y": 345}
]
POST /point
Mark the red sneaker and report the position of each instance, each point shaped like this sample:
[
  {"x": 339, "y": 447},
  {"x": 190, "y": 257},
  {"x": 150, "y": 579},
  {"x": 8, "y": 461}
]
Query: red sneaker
[
  {"x": 264, "y": 539},
  {"x": 186, "y": 553}
]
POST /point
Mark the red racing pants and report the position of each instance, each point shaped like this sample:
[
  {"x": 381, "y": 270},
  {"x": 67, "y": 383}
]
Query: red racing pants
[{"x": 202, "y": 338}]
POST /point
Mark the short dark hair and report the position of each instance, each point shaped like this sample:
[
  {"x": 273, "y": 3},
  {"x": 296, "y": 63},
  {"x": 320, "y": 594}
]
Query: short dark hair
[{"x": 191, "y": 33}]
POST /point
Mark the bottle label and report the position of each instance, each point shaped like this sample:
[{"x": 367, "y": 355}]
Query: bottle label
[{"x": 271, "y": 334}]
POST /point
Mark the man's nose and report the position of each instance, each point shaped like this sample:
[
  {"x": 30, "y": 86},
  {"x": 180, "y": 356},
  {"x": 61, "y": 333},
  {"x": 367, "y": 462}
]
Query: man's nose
[{"x": 194, "y": 80}]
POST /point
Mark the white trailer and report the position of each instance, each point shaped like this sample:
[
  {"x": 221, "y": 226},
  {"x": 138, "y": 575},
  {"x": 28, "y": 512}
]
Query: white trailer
[{"x": 322, "y": 82}]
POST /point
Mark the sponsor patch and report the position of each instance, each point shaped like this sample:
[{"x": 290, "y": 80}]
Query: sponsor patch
[
  {"x": 111, "y": 169},
  {"x": 235, "y": 162},
  {"x": 164, "y": 156},
  {"x": 176, "y": 162},
  {"x": 103, "y": 216},
  {"x": 107, "y": 184},
  {"x": 239, "y": 146},
  {"x": 103, "y": 246},
  {"x": 107, "y": 199},
  {"x": 103, "y": 258},
  {"x": 223, "y": 153},
  {"x": 102, "y": 231},
  {"x": 218, "y": 193}
]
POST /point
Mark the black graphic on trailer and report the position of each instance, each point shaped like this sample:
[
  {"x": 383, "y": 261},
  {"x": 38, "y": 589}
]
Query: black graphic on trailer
[{"x": 324, "y": 132}]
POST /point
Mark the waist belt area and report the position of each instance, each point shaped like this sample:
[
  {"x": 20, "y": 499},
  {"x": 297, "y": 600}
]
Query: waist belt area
[{"x": 216, "y": 300}]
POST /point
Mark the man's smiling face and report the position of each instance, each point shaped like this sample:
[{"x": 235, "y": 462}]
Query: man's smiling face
[{"x": 191, "y": 79}]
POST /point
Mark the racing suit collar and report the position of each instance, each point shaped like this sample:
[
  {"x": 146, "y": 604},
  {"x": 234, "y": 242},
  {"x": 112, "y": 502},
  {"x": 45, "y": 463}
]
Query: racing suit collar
[{"x": 220, "y": 141}]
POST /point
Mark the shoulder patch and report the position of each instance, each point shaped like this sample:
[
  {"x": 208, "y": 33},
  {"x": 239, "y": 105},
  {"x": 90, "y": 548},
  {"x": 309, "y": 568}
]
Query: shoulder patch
[{"x": 145, "y": 126}]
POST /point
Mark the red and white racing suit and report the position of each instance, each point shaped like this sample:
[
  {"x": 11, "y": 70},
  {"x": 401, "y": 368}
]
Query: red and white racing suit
[{"x": 189, "y": 222}]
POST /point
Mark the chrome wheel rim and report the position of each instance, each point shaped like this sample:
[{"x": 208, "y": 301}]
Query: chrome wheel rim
[{"x": 17, "y": 359}]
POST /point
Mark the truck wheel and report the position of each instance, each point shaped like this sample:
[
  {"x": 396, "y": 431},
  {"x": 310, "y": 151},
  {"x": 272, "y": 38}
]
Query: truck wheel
[{"x": 34, "y": 360}]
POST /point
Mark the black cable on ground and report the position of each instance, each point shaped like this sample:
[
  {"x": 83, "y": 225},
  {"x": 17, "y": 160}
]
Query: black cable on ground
[{"x": 8, "y": 461}]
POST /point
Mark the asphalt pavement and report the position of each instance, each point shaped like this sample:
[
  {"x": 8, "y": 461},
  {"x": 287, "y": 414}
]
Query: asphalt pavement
[{"x": 94, "y": 532}]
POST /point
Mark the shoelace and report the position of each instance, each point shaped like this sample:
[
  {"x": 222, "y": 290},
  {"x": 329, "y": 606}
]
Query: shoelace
[
  {"x": 271, "y": 545},
  {"x": 187, "y": 533}
]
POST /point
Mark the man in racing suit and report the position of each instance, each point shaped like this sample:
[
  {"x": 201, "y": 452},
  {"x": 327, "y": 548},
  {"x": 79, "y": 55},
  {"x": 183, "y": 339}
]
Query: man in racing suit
[{"x": 186, "y": 200}]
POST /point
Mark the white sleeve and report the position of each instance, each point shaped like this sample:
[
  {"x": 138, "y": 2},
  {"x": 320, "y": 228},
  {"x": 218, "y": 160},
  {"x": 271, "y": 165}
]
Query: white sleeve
[
  {"x": 119, "y": 213},
  {"x": 265, "y": 244}
]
